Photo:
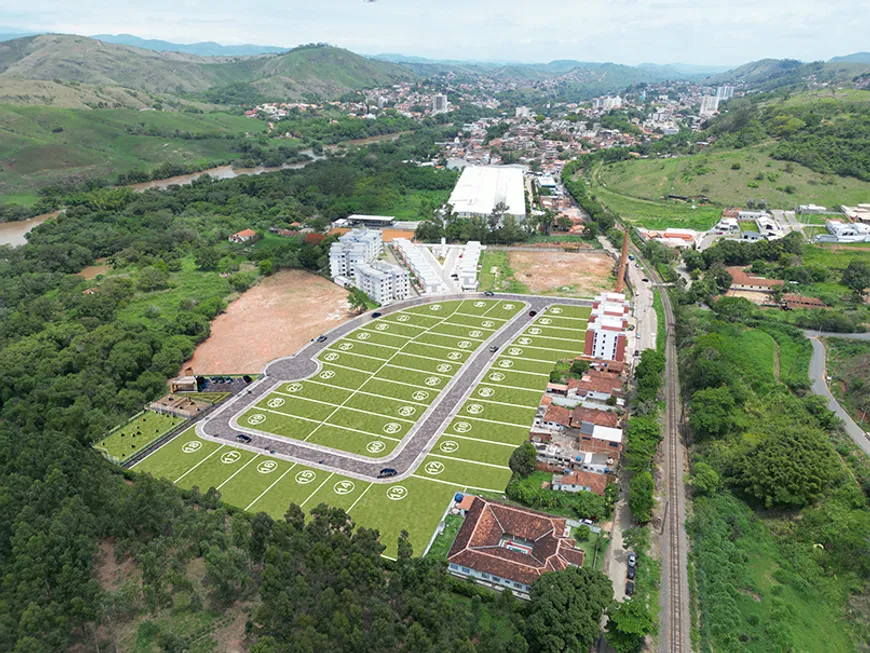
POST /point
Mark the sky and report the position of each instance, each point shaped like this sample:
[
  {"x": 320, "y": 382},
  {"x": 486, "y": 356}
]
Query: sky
[{"x": 704, "y": 32}]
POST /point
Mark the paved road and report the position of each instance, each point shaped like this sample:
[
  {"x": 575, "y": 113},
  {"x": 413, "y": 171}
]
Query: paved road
[
  {"x": 820, "y": 386},
  {"x": 221, "y": 427}
]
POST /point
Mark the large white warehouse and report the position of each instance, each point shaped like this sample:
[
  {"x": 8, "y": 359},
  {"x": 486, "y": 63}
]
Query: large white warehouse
[{"x": 480, "y": 188}]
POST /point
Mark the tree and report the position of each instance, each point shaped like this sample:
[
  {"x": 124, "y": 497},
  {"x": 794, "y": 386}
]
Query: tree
[
  {"x": 628, "y": 625},
  {"x": 265, "y": 267},
  {"x": 711, "y": 412},
  {"x": 640, "y": 496},
  {"x": 856, "y": 276},
  {"x": 206, "y": 258},
  {"x": 791, "y": 467},
  {"x": 704, "y": 479},
  {"x": 579, "y": 368},
  {"x": 565, "y": 609},
  {"x": 522, "y": 460},
  {"x": 358, "y": 300}
]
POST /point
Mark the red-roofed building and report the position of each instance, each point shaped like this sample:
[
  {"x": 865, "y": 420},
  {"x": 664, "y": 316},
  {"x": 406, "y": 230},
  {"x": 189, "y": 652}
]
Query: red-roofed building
[
  {"x": 243, "y": 236},
  {"x": 508, "y": 547},
  {"x": 580, "y": 482}
]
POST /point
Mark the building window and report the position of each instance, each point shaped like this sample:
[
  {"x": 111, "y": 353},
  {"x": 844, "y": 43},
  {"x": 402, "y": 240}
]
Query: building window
[
  {"x": 452, "y": 566},
  {"x": 485, "y": 576},
  {"x": 466, "y": 570},
  {"x": 614, "y": 444}
]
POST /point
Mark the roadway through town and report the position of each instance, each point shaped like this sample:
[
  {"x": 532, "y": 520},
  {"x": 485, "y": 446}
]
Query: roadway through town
[{"x": 220, "y": 426}]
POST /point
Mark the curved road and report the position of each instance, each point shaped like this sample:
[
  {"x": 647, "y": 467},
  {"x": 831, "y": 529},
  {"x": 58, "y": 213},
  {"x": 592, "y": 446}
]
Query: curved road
[
  {"x": 820, "y": 384},
  {"x": 219, "y": 426}
]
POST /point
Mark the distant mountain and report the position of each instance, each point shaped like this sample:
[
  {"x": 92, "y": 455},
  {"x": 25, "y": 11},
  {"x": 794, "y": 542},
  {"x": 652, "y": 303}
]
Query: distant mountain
[
  {"x": 857, "y": 57},
  {"x": 308, "y": 72},
  {"x": 681, "y": 70},
  {"x": 770, "y": 74},
  {"x": 204, "y": 49}
]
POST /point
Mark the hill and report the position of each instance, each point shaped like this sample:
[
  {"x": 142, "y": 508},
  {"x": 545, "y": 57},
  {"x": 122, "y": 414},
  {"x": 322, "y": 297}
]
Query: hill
[
  {"x": 772, "y": 74},
  {"x": 308, "y": 72},
  {"x": 203, "y": 49},
  {"x": 857, "y": 57}
]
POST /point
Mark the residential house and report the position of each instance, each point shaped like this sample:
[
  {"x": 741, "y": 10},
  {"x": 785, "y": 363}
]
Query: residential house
[
  {"x": 742, "y": 280},
  {"x": 243, "y": 236},
  {"x": 575, "y": 482}
]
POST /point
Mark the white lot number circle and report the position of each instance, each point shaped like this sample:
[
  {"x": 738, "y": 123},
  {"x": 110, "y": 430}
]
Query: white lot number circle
[
  {"x": 327, "y": 374},
  {"x": 392, "y": 427},
  {"x": 475, "y": 409},
  {"x": 346, "y": 346},
  {"x": 525, "y": 341},
  {"x": 343, "y": 487},
  {"x": 230, "y": 457},
  {"x": 382, "y": 326},
  {"x": 444, "y": 367},
  {"x": 462, "y": 427},
  {"x": 407, "y": 411},
  {"x": 555, "y": 310},
  {"x": 259, "y": 418},
  {"x": 432, "y": 381},
  {"x": 486, "y": 392},
  {"x": 331, "y": 356},
  {"x": 475, "y": 333},
  {"x": 535, "y": 331},
  {"x": 487, "y": 324},
  {"x": 397, "y": 492},
  {"x": 508, "y": 307},
  {"x": 403, "y": 318},
  {"x": 305, "y": 477},
  {"x": 434, "y": 468},
  {"x": 545, "y": 320},
  {"x": 479, "y": 304},
  {"x": 267, "y": 467},
  {"x": 435, "y": 307},
  {"x": 454, "y": 355},
  {"x": 515, "y": 351},
  {"x": 420, "y": 395},
  {"x": 505, "y": 363},
  {"x": 464, "y": 344},
  {"x": 275, "y": 402},
  {"x": 449, "y": 446},
  {"x": 192, "y": 447},
  {"x": 375, "y": 447},
  {"x": 496, "y": 376},
  {"x": 294, "y": 387},
  {"x": 365, "y": 335}
]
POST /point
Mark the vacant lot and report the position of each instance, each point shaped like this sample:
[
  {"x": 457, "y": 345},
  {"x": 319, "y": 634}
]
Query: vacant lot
[
  {"x": 136, "y": 434},
  {"x": 273, "y": 319},
  {"x": 563, "y": 273}
]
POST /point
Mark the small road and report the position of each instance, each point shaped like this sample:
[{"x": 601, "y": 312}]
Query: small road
[
  {"x": 818, "y": 376},
  {"x": 220, "y": 426}
]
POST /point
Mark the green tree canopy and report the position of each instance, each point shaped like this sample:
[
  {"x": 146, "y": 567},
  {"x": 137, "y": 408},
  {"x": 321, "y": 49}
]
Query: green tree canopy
[
  {"x": 522, "y": 460},
  {"x": 640, "y": 496}
]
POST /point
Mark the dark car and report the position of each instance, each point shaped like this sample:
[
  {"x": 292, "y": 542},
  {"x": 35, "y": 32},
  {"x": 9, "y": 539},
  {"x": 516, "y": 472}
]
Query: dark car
[
  {"x": 488, "y": 293},
  {"x": 321, "y": 338},
  {"x": 630, "y": 573},
  {"x": 629, "y": 588},
  {"x": 241, "y": 437},
  {"x": 376, "y": 314},
  {"x": 645, "y": 280},
  {"x": 632, "y": 560},
  {"x": 387, "y": 472},
  {"x": 533, "y": 313},
  {"x": 494, "y": 348}
]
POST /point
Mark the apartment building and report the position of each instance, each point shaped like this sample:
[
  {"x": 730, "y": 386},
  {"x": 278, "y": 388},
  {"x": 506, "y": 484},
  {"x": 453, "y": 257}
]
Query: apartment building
[
  {"x": 383, "y": 282},
  {"x": 606, "y": 332},
  {"x": 357, "y": 247}
]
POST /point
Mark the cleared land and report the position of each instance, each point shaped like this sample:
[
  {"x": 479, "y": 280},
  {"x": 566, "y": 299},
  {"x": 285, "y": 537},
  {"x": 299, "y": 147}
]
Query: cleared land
[
  {"x": 136, "y": 434},
  {"x": 472, "y": 452},
  {"x": 272, "y": 319},
  {"x": 563, "y": 273}
]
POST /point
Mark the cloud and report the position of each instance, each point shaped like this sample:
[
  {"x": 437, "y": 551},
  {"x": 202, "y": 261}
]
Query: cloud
[{"x": 624, "y": 31}]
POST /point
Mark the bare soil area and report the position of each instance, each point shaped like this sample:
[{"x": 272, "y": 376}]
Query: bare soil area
[
  {"x": 389, "y": 234},
  {"x": 93, "y": 271},
  {"x": 272, "y": 319},
  {"x": 757, "y": 298},
  {"x": 581, "y": 274}
]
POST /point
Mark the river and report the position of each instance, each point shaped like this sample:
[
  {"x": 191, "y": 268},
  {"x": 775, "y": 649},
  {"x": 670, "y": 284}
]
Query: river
[{"x": 13, "y": 233}]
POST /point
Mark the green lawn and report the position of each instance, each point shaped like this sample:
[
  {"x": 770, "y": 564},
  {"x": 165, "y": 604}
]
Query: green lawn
[
  {"x": 444, "y": 540},
  {"x": 136, "y": 434}
]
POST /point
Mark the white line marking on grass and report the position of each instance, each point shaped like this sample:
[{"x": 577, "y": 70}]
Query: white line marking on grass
[
  {"x": 492, "y": 317},
  {"x": 384, "y": 555},
  {"x": 316, "y": 401},
  {"x": 552, "y": 361},
  {"x": 458, "y": 485},
  {"x": 353, "y": 353},
  {"x": 331, "y": 474},
  {"x": 493, "y": 421},
  {"x": 465, "y": 460},
  {"x": 410, "y": 385},
  {"x": 199, "y": 463},
  {"x": 253, "y": 458},
  {"x": 325, "y": 423},
  {"x": 565, "y": 317},
  {"x": 465, "y": 437},
  {"x": 510, "y": 387},
  {"x": 452, "y": 335},
  {"x": 263, "y": 493},
  {"x": 385, "y": 333},
  {"x": 353, "y": 505},
  {"x": 567, "y": 351},
  {"x": 347, "y": 367},
  {"x": 416, "y": 326},
  {"x": 502, "y": 403},
  {"x": 428, "y": 358},
  {"x": 454, "y": 348},
  {"x": 542, "y": 335},
  {"x": 372, "y": 394},
  {"x": 510, "y": 369},
  {"x": 469, "y": 326},
  {"x": 411, "y": 369}
]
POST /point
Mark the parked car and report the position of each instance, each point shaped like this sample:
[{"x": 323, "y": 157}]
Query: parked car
[
  {"x": 588, "y": 522},
  {"x": 533, "y": 313},
  {"x": 630, "y": 573},
  {"x": 488, "y": 293},
  {"x": 494, "y": 348},
  {"x": 376, "y": 314},
  {"x": 241, "y": 437},
  {"x": 387, "y": 472},
  {"x": 321, "y": 338},
  {"x": 631, "y": 257},
  {"x": 645, "y": 280},
  {"x": 629, "y": 588},
  {"x": 632, "y": 560}
]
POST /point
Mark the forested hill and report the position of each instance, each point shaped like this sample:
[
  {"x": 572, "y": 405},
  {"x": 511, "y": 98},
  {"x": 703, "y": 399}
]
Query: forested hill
[{"x": 306, "y": 72}]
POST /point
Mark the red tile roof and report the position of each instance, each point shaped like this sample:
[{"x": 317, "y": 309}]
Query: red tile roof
[
  {"x": 480, "y": 544},
  {"x": 246, "y": 233},
  {"x": 591, "y": 384},
  {"x": 595, "y": 482},
  {"x": 599, "y": 417},
  {"x": 558, "y": 414},
  {"x": 739, "y": 277}
]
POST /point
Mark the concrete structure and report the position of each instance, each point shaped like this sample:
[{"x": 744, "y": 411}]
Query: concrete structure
[
  {"x": 811, "y": 208},
  {"x": 355, "y": 248},
  {"x": 422, "y": 266},
  {"x": 845, "y": 232},
  {"x": 709, "y": 106},
  {"x": 724, "y": 93},
  {"x": 178, "y": 405},
  {"x": 606, "y": 331},
  {"x": 674, "y": 238},
  {"x": 728, "y": 225},
  {"x": 508, "y": 547},
  {"x": 860, "y": 213},
  {"x": 362, "y": 220},
  {"x": 465, "y": 268},
  {"x": 523, "y": 112},
  {"x": 556, "y": 456},
  {"x": 440, "y": 104},
  {"x": 481, "y": 188},
  {"x": 383, "y": 282}
]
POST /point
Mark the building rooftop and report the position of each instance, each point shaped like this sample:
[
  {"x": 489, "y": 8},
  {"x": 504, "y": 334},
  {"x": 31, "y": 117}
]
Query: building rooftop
[{"x": 481, "y": 188}]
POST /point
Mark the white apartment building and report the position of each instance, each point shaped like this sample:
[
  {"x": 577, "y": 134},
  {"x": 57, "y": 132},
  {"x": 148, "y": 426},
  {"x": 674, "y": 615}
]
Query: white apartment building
[
  {"x": 440, "y": 104},
  {"x": 606, "y": 332},
  {"x": 709, "y": 105},
  {"x": 427, "y": 277},
  {"x": 354, "y": 248},
  {"x": 465, "y": 270},
  {"x": 725, "y": 93},
  {"x": 383, "y": 282}
]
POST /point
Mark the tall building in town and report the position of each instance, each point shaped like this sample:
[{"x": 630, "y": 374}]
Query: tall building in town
[
  {"x": 354, "y": 248},
  {"x": 709, "y": 105},
  {"x": 606, "y": 332},
  {"x": 383, "y": 282},
  {"x": 440, "y": 103},
  {"x": 725, "y": 93}
]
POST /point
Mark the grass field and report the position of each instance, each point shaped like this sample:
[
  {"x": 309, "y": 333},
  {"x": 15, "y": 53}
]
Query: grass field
[
  {"x": 136, "y": 434},
  {"x": 472, "y": 453},
  {"x": 713, "y": 174}
]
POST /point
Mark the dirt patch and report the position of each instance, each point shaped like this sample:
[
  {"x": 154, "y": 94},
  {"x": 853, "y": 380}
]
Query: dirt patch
[
  {"x": 110, "y": 573},
  {"x": 93, "y": 271},
  {"x": 757, "y": 298},
  {"x": 566, "y": 273},
  {"x": 389, "y": 235},
  {"x": 273, "y": 319}
]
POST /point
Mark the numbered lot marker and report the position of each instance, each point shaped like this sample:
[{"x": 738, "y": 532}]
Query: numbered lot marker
[{"x": 192, "y": 447}]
